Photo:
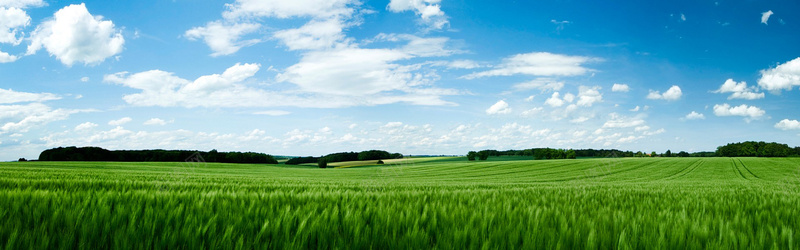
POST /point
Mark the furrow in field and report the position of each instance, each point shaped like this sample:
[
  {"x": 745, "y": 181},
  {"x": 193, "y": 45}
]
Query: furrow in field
[
  {"x": 737, "y": 170},
  {"x": 689, "y": 168},
  {"x": 747, "y": 169}
]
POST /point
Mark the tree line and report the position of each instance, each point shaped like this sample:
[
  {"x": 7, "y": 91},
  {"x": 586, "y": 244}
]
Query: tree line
[
  {"x": 156, "y": 155},
  {"x": 757, "y": 149},
  {"x": 346, "y": 156}
]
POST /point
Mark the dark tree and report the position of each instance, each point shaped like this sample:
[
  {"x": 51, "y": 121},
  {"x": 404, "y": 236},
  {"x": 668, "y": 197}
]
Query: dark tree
[
  {"x": 380, "y": 162},
  {"x": 22, "y": 159},
  {"x": 323, "y": 163},
  {"x": 483, "y": 155},
  {"x": 471, "y": 155},
  {"x": 668, "y": 153},
  {"x": 683, "y": 154}
]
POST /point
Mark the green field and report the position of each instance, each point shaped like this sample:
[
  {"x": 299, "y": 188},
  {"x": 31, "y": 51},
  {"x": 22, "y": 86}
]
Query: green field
[{"x": 444, "y": 203}]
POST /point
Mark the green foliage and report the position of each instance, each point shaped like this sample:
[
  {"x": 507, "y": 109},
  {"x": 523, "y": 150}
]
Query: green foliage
[
  {"x": 484, "y": 154},
  {"x": 666, "y": 203},
  {"x": 380, "y": 162},
  {"x": 373, "y": 155},
  {"x": 157, "y": 155},
  {"x": 471, "y": 155},
  {"x": 323, "y": 162},
  {"x": 668, "y": 153},
  {"x": 301, "y": 160},
  {"x": 653, "y": 154},
  {"x": 22, "y": 159},
  {"x": 755, "y": 149}
]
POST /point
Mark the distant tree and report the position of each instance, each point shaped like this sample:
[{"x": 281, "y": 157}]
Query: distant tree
[
  {"x": 22, "y": 159},
  {"x": 668, "y": 153},
  {"x": 471, "y": 155},
  {"x": 483, "y": 155},
  {"x": 570, "y": 154},
  {"x": 683, "y": 154},
  {"x": 639, "y": 154},
  {"x": 653, "y": 154},
  {"x": 380, "y": 162},
  {"x": 323, "y": 163}
]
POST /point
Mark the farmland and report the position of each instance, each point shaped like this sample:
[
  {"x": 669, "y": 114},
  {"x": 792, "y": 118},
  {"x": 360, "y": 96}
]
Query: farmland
[{"x": 447, "y": 203}]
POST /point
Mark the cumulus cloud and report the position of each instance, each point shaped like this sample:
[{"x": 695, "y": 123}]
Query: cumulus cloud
[
  {"x": 74, "y": 35},
  {"x": 8, "y": 96},
  {"x": 749, "y": 112},
  {"x": 620, "y": 121},
  {"x": 787, "y": 124},
  {"x": 694, "y": 116},
  {"x": 463, "y": 64},
  {"x": 85, "y": 126},
  {"x": 588, "y": 96},
  {"x": 739, "y": 90},
  {"x": 672, "y": 94},
  {"x": 543, "y": 84},
  {"x": 765, "y": 16},
  {"x": 430, "y": 11},
  {"x": 782, "y": 77},
  {"x": 318, "y": 79},
  {"x": 501, "y": 107},
  {"x": 617, "y": 87},
  {"x": 156, "y": 121},
  {"x": 21, "y": 118},
  {"x": 222, "y": 38},
  {"x": 555, "y": 99},
  {"x": 538, "y": 64},
  {"x": 325, "y": 28},
  {"x": 11, "y": 20},
  {"x": 120, "y": 121}
]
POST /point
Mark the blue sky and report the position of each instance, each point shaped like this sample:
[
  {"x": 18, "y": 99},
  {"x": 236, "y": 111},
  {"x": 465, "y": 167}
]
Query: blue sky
[{"x": 313, "y": 77}]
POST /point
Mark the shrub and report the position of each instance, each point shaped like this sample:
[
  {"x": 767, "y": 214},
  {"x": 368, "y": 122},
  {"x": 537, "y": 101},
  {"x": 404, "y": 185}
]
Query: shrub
[{"x": 380, "y": 162}]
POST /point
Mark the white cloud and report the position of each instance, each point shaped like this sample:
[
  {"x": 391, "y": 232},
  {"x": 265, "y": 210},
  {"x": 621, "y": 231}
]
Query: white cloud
[
  {"x": 85, "y": 126},
  {"x": 588, "y": 96},
  {"x": 21, "y": 118},
  {"x": 429, "y": 11},
  {"x": 672, "y": 94},
  {"x": 620, "y": 121},
  {"x": 620, "y": 87},
  {"x": 156, "y": 121},
  {"x": 538, "y": 64},
  {"x": 272, "y": 112},
  {"x": 7, "y": 58},
  {"x": 782, "y": 77},
  {"x": 739, "y": 90},
  {"x": 787, "y": 124},
  {"x": 316, "y": 34},
  {"x": 501, "y": 107},
  {"x": 11, "y": 20},
  {"x": 683, "y": 17},
  {"x": 375, "y": 84},
  {"x": 543, "y": 84},
  {"x": 120, "y": 121},
  {"x": 11, "y": 96},
  {"x": 320, "y": 9},
  {"x": 555, "y": 100},
  {"x": 84, "y": 79},
  {"x": 222, "y": 38},
  {"x": 750, "y": 112},
  {"x": 74, "y": 35},
  {"x": 765, "y": 16},
  {"x": 463, "y": 64},
  {"x": 532, "y": 112},
  {"x": 22, "y": 4},
  {"x": 325, "y": 28},
  {"x": 659, "y": 131},
  {"x": 694, "y": 116},
  {"x": 363, "y": 72},
  {"x": 636, "y": 109},
  {"x": 420, "y": 46}
]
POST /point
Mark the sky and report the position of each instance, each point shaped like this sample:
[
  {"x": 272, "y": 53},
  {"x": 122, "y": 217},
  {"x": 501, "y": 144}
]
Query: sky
[{"x": 311, "y": 77}]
